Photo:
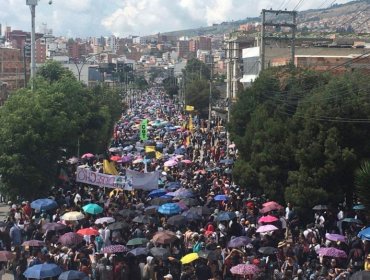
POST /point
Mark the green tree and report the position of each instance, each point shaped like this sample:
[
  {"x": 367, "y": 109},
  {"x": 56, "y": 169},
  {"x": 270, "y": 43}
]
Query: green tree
[{"x": 362, "y": 180}]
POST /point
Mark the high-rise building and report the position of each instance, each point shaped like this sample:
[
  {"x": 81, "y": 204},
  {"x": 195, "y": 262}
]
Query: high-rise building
[{"x": 183, "y": 48}]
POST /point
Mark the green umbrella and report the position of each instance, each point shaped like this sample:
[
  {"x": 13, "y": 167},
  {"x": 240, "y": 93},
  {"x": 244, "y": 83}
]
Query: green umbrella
[
  {"x": 137, "y": 241},
  {"x": 92, "y": 208}
]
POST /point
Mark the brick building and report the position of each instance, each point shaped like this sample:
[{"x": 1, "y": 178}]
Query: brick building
[{"x": 11, "y": 68}]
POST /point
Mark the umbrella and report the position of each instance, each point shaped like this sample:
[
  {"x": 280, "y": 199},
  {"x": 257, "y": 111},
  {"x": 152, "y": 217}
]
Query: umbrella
[
  {"x": 189, "y": 201},
  {"x": 70, "y": 239},
  {"x": 93, "y": 209},
  {"x": 364, "y": 234},
  {"x": 182, "y": 206},
  {"x": 72, "y": 160},
  {"x": 180, "y": 151},
  {"x": 226, "y": 161},
  {"x": 157, "y": 193},
  {"x": 267, "y": 250},
  {"x": 225, "y": 216},
  {"x": 160, "y": 200},
  {"x": 361, "y": 275},
  {"x": 127, "y": 213},
  {"x": 164, "y": 237},
  {"x": 183, "y": 193},
  {"x": 320, "y": 207},
  {"x": 126, "y": 159},
  {"x": 221, "y": 197},
  {"x": 331, "y": 252},
  {"x": 335, "y": 237},
  {"x": 34, "y": 243},
  {"x": 40, "y": 271},
  {"x": 245, "y": 269},
  {"x": 177, "y": 220},
  {"x": 142, "y": 219},
  {"x": 137, "y": 241},
  {"x": 359, "y": 207},
  {"x": 187, "y": 161},
  {"x": 73, "y": 216},
  {"x": 139, "y": 251},
  {"x": 267, "y": 219},
  {"x": 112, "y": 249},
  {"x": 208, "y": 254},
  {"x": 189, "y": 258},
  {"x": 238, "y": 242},
  {"x": 88, "y": 231},
  {"x": 170, "y": 163},
  {"x": 6, "y": 256},
  {"x": 266, "y": 228},
  {"x": 115, "y": 158},
  {"x": 162, "y": 253},
  {"x": 272, "y": 203},
  {"x": 118, "y": 226},
  {"x": 44, "y": 204},
  {"x": 352, "y": 220},
  {"x": 88, "y": 155},
  {"x": 200, "y": 210},
  {"x": 53, "y": 226},
  {"x": 269, "y": 208},
  {"x": 169, "y": 209},
  {"x": 103, "y": 220},
  {"x": 191, "y": 216},
  {"x": 173, "y": 185},
  {"x": 151, "y": 210},
  {"x": 72, "y": 275},
  {"x": 200, "y": 171}
]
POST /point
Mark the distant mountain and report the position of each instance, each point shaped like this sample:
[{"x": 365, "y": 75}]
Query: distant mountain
[{"x": 353, "y": 16}]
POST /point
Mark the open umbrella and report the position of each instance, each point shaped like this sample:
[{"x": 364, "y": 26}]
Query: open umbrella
[
  {"x": 126, "y": 159},
  {"x": 70, "y": 239},
  {"x": 118, "y": 226},
  {"x": 139, "y": 251},
  {"x": 245, "y": 269},
  {"x": 72, "y": 275},
  {"x": 161, "y": 253},
  {"x": 53, "y": 226},
  {"x": 127, "y": 213},
  {"x": 359, "y": 207},
  {"x": 352, "y": 220},
  {"x": 221, "y": 197},
  {"x": 320, "y": 207},
  {"x": 137, "y": 241},
  {"x": 73, "y": 216},
  {"x": 270, "y": 207},
  {"x": 266, "y": 228},
  {"x": 189, "y": 201},
  {"x": 177, "y": 220},
  {"x": 93, "y": 208},
  {"x": 267, "y": 250},
  {"x": 142, "y": 219},
  {"x": 112, "y": 249},
  {"x": 160, "y": 200},
  {"x": 189, "y": 258},
  {"x": 182, "y": 193},
  {"x": 157, "y": 193},
  {"x": 33, "y": 243},
  {"x": 151, "y": 210},
  {"x": 41, "y": 271},
  {"x": 87, "y": 155},
  {"x": 226, "y": 161},
  {"x": 225, "y": 216},
  {"x": 88, "y": 231},
  {"x": 191, "y": 216},
  {"x": 164, "y": 237},
  {"x": 208, "y": 254},
  {"x": 238, "y": 242},
  {"x": 331, "y": 252},
  {"x": 72, "y": 160},
  {"x": 169, "y": 209},
  {"x": 170, "y": 163},
  {"x": 267, "y": 219},
  {"x": 335, "y": 237},
  {"x": 201, "y": 210},
  {"x": 6, "y": 256},
  {"x": 43, "y": 204},
  {"x": 364, "y": 234},
  {"x": 115, "y": 158},
  {"x": 103, "y": 220}
]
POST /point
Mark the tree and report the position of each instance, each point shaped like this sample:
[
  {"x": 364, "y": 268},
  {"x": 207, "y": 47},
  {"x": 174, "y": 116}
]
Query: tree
[
  {"x": 39, "y": 128},
  {"x": 362, "y": 180},
  {"x": 170, "y": 86}
]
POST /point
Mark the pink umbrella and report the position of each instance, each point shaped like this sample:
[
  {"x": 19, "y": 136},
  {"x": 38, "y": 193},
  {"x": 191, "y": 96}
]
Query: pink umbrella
[
  {"x": 170, "y": 163},
  {"x": 112, "y": 249},
  {"x": 70, "y": 239},
  {"x": 272, "y": 203},
  {"x": 88, "y": 155},
  {"x": 331, "y": 252},
  {"x": 271, "y": 207},
  {"x": 335, "y": 237},
  {"x": 267, "y": 219},
  {"x": 245, "y": 269},
  {"x": 187, "y": 161},
  {"x": 266, "y": 228}
]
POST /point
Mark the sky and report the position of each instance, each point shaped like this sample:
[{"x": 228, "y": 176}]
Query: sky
[{"x": 85, "y": 18}]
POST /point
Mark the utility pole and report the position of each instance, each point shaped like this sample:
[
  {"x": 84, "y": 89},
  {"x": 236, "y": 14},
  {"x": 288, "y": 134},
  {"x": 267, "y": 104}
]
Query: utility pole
[
  {"x": 210, "y": 94},
  {"x": 32, "y": 4},
  {"x": 291, "y": 22}
]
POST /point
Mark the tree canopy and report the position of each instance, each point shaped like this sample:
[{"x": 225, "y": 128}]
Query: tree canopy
[
  {"x": 41, "y": 127},
  {"x": 301, "y": 135}
]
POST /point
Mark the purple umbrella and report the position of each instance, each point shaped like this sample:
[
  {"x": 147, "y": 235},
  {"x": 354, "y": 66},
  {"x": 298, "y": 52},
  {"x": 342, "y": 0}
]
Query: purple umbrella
[
  {"x": 332, "y": 252},
  {"x": 181, "y": 193},
  {"x": 335, "y": 237},
  {"x": 245, "y": 269},
  {"x": 238, "y": 242},
  {"x": 53, "y": 226},
  {"x": 112, "y": 249},
  {"x": 70, "y": 239},
  {"x": 34, "y": 243},
  {"x": 126, "y": 159},
  {"x": 182, "y": 205}
]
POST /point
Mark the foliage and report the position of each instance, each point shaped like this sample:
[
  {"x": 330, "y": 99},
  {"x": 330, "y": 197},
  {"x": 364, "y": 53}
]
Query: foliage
[
  {"x": 170, "y": 86},
  {"x": 362, "y": 180},
  {"x": 140, "y": 82},
  {"x": 39, "y": 128},
  {"x": 296, "y": 137}
]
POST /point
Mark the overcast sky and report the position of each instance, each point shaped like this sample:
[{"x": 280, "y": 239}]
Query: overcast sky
[{"x": 83, "y": 18}]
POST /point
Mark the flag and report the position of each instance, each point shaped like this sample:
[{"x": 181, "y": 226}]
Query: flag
[
  {"x": 63, "y": 175},
  {"x": 191, "y": 123},
  {"x": 187, "y": 141},
  {"x": 158, "y": 155},
  {"x": 109, "y": 168},
  {"x": 189, "y": 108},
  {"x": 149, "y": 149},
  {"x": 144, "y": 130}
]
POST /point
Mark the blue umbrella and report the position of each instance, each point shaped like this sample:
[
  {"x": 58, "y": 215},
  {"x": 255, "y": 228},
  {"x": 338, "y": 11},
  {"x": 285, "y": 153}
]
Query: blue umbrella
[
  {"x": 93, "y": 208},
  {"x": 226, "y": 161},
  {"x": 169, "y": 209},
  {"x": 157, "y": 193},
  {"x": 364, "y": 234},
  {"x": 352, "y": 220},
  {"x": 225, "y": 216},
  {"x": 44, "y": 204},
  {"x": 40, "y": 271},
  {"x": 180, "y": 151},
  {"x": 191, "y": 216},
  {"x": 173, "y": 185},
  {"x": 359, "y": 207},
  {"x": 139, "y": 251},
  {"x": 221, "y": 197},
  {"x": 72, "y": 275}
]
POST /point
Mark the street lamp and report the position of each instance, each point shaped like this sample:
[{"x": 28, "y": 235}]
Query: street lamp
[{"x": 32, "y": 4}]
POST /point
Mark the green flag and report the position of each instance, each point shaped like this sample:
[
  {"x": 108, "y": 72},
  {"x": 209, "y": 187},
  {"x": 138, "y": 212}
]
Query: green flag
[{"x": 144, "y": 130}]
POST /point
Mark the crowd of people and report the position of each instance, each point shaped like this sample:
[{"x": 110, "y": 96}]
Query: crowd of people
[{"x": 198, "y": 224}]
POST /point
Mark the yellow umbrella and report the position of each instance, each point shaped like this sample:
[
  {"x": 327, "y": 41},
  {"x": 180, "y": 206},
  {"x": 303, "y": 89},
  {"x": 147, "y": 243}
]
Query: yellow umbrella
[
  {"x": 189, "y": 258},
  {"x": 73, "y": 216},
  {"x": 114, "y": 192}
]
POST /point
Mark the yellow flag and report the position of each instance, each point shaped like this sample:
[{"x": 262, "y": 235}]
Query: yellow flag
[
  {"x": 188, "y": 141},
  {"x": 109, "y": 168},
  {"x": 191, "y": 123},
  {"x": 149, "y": 149},
  {"x": 158, "y": 155},
  {"x": 189, "y": 108}
]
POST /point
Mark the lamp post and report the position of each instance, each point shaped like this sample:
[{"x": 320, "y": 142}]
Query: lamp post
[{"x": 32, "y": 4}]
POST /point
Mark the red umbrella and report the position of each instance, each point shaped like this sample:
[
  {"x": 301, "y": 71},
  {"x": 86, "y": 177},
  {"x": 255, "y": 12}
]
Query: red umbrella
[
  {"x": 88, "y": 231},
  {"x": 34, "y": 243},
  {"x": 267, "y": 219},
  {"x": 115, "y": 158},
  {"x": 70, "y": 239},
  {"x": 6, "y": 256},
  {"x": 245, "y": 269}
]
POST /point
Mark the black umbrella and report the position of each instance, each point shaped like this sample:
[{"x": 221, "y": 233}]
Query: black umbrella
[
  {"x": 188, "y": 201},
  {"x": 208, "y": 254},
  {"x": 139, "y": 251},
  {"x": 361, "y": 275},
  {"x": 127, "y": 213},
  {"x": 177, "y": 220},
  {"x": 191, "y": 216},
  {"x": 161, "y": 253},
  {"x": 267, "y": 250},
  {"x": 320, "y": 207},
  {"x": 201, "y": 210},
  {"x": 160, "y": 200},
  {"x": 118, "y": 226},
  {"x": 142, "y": 219}
]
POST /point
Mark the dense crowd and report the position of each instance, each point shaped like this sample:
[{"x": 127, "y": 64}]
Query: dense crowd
[{"x": 197, "y": 225}]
